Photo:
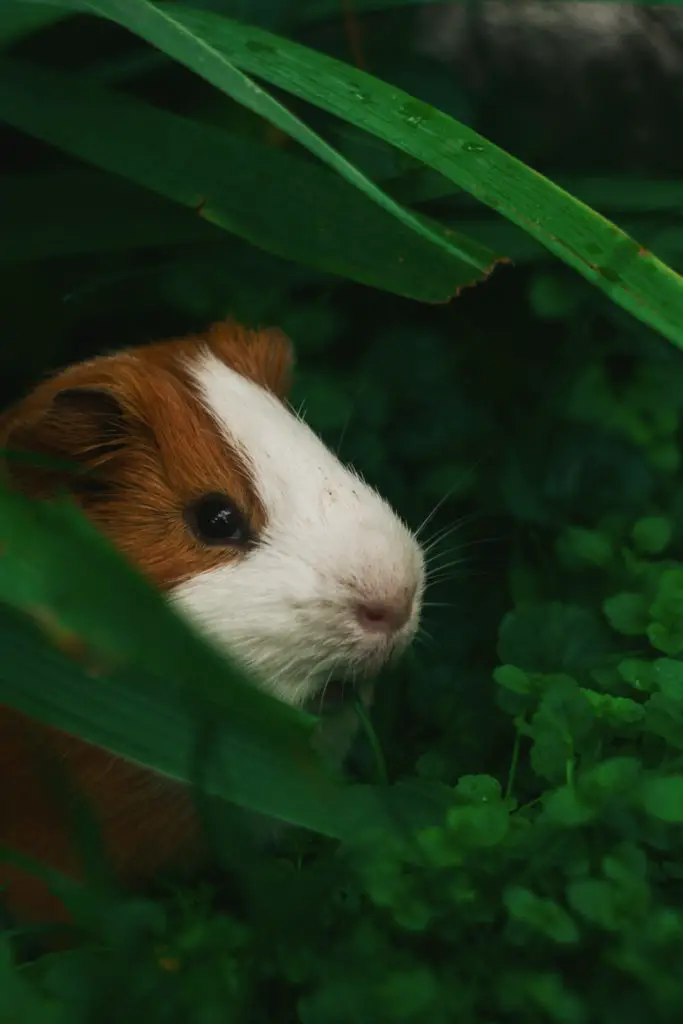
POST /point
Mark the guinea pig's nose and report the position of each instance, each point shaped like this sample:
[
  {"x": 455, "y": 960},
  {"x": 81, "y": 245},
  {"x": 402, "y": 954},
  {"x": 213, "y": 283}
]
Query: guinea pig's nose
[{"x": 387, "y": 615}]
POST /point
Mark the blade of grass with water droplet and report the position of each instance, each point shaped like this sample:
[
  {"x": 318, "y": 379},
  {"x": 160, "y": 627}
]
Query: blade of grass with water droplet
[
  {"x": 161, "y": 27},
  {"x": 632, "y": 276},
  {"x": 277, "y": 200},
  {"x": 629, "y": 274}
]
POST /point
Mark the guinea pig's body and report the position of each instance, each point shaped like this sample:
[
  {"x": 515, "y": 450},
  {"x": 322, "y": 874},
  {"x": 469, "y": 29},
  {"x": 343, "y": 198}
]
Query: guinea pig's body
[{"x": 186, "y": 455}]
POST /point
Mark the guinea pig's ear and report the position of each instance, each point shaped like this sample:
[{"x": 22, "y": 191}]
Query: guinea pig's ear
[
  {"x": 265, "y": 356},
  {"x": 272, "y": 354},
  {"x": 66, "y": 443}
]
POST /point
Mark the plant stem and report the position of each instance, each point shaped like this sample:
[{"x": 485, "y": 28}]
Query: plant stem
[{"x": 380, "y": 761}]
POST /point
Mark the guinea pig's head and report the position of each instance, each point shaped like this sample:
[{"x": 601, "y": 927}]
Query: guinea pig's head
[{"x": 189, "y": 458}]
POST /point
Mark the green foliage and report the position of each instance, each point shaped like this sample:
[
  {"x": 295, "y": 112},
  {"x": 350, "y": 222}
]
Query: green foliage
[
  {"x": 220, "y": 50},
  {"x": 58, "y": 586},
  {"x": 508, "y": 847},
  {"x": 49, "y": 105}
]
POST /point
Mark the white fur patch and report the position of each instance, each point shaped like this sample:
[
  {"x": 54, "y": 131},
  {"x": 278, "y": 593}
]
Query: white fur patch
[{"x": 286, "y": 608}]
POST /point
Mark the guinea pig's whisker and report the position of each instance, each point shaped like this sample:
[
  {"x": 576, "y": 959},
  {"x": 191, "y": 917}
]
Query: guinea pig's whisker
[
  {"x": 263, "y": 668},
  {"x": 424, "y": 638},
  {"x": 445, "y": 572},
  {"x": 347, "y": 424},
  {"x": 298, "y": 411},
  {"x": 448, "y": 529},
  {"x": 353, "y": 406},
  {"x": 465, "y": 548},
  {"x": 428, "y": 518},
  {"x": 479, "y": 541},
  {"x": 448, "y": 577},
  {"x": 438, "y": 539},
  {"x": 324, "y": 691},
  {"x": 437, "y": 569},
  {"x": 440, "y": 559},
  {"x": 440, "y": 536},
  {"x": 285, "y": 669},
  {"x": 450, "y": 564}
]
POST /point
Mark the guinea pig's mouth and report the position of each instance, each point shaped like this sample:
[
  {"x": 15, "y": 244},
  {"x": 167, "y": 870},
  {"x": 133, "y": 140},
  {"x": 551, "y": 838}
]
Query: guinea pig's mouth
[
  {"x": 346, "y": 684},
  {"x": 336, "y": 693}
]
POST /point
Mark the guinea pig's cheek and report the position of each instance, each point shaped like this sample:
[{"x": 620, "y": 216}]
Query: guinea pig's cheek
[
  {"x": 247, "y": 609},
  {"x": 211, "y": 604}
]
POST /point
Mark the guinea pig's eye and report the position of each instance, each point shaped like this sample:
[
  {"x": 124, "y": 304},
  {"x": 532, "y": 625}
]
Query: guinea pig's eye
[{"x": 215, "y": 519}]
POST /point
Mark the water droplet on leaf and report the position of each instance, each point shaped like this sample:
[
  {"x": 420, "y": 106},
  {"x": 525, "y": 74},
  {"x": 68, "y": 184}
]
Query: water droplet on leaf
[{"x": 415, "y": 112}]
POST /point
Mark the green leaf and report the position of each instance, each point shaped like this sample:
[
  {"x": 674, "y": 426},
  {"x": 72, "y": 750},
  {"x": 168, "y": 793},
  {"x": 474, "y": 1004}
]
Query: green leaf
[
  {"x": 638, "y": 673},
  {"x": 596, "y": 900},
  {"x": 406, "y": 993},
  {"x": 662, "y": 797},
  {"x": 440, "y": 847},
  {"x": 135, "y": 717},
  {"x": 167, "y": 699},
  {"x": 22, "y": 1001},
  {"x": 478, "y": 789},
  {"x": 215, "y": 47},
  {"x": 174, "y": 30},
  {"x": 615, "y": 711},
  {"x": 228, "y": 182},
  {"x": 564, "y": 807},
  {"x": 563, "y": 720},
  {"x": 667, "y": 674},
  {"x": 18, "y": 20},
  {"x": 632, "y": 194},
  {"x": 513, "y": 678},
  {"x": 431, "y": 765},
  {"x": 600, "y": 251},
  {"x": 147, "y": 720},
  {"x": 613, "y": 777},
  {"x": 542, "y": 915},
  {"x": 652, "y": 534},
  {"x": 664, "y": 717},
  {"x": 165, "y": 682},
  {"x": 478, "y": 826},
  {"x": 44, "y": 569},
  {"x": 627, "y": 864},
  {"x": 668, "y": 639},
  {"x": 666, "y": 632},
  {"x": 69, "y": 213},
  {"x": 668, "y": 604},
  {"x": 579, "y": 547},
  {"x": 552, "y": 637},
  {"x": 627, "y": 613},
  {"x": 545, "y": 991},
  {"x": 413, "y": 913}
]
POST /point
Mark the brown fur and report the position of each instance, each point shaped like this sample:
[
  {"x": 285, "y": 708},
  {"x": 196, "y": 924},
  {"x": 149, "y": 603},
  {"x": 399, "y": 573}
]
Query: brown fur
[
  {"x": 133, "y": 422},
  {"x": 160, "y": 454}
]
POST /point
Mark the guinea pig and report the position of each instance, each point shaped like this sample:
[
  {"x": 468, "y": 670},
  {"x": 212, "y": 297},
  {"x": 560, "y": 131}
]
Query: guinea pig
[{"x": 187, "y": 455}]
